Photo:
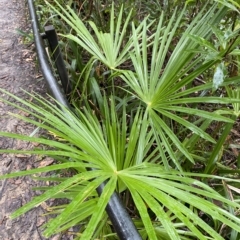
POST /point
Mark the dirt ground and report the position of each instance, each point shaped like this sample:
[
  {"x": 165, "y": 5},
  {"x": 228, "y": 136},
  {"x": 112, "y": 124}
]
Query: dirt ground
[{"x": 17, "y": 71}]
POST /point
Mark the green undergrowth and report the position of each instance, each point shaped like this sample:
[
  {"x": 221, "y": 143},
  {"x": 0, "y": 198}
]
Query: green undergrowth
[{"x": 155, "y": 96}]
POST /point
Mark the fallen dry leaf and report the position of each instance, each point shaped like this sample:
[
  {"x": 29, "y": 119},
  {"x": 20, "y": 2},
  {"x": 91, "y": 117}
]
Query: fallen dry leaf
[
  {"x": 46, "y": 162},
  {"x": 19, "y": 181}
]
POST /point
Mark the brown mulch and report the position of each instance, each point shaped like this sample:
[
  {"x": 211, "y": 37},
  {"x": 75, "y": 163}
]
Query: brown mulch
[{"x": 18, "y": 71}]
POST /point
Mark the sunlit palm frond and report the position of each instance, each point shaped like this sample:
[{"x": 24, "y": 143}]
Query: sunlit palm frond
[
  {"x": 160, "y": 82},
  {"x": 126, "y": 163}
]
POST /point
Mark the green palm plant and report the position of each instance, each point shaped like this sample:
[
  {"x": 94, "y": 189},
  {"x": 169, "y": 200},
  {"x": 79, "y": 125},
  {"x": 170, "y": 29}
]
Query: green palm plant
[
  {"x": 159, "y": 82},
  {"x": 122, "y": 156},
  {"x": 164, "y": 84},
  {"x": 110, "y": 48},
  {"x": 130, "y": 140}
]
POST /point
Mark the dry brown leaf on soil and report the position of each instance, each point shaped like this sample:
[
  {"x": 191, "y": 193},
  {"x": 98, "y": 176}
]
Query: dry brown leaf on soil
[{"x": 46, "y": 162}]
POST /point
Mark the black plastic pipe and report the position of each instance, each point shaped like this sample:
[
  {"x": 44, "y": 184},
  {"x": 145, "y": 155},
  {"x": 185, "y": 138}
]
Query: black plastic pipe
[
  {"x": 43, "y": 59},
  {"x": 51, "y": 36},
  {"x": 118, "y": 215}
]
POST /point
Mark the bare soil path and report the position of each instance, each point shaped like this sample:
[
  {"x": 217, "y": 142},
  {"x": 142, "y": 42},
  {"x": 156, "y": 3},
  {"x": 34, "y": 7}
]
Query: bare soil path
[{"x": 17, "y": 71}]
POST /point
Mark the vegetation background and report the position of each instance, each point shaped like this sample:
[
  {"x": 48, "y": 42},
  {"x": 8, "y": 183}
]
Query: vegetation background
[{"x": 155, "y": 96}]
